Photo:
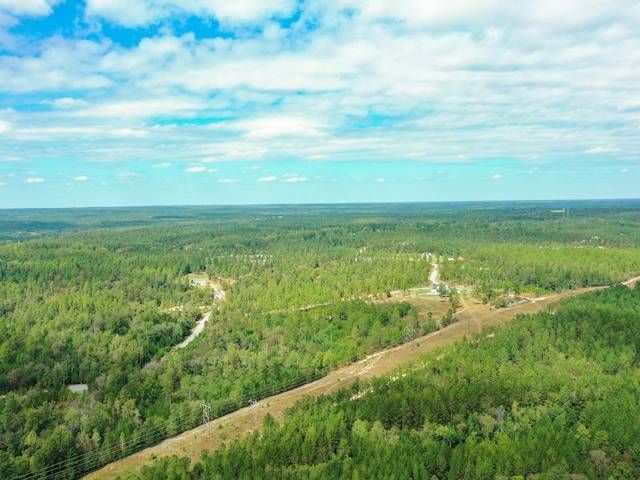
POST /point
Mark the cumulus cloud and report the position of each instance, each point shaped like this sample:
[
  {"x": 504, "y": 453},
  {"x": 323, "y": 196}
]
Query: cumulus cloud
[
  {"x": 228, "y": 180},
  {"x": 81, "y": 178},
  {"x": 4, "y": 126},
  {"x": 163, "y": 165},
  {"x": 56, "y": 65},
  {"x": 34, "y": 8},
  {"x": 34, "y": 180},
  {"x": 496, "y": 176}
]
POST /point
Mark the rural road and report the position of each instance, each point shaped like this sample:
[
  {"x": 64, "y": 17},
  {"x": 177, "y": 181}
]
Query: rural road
[
  {"x": 220, "y": 295},
  {"x": 196, "y": 331},
  {"x": 433, "y": 278}
]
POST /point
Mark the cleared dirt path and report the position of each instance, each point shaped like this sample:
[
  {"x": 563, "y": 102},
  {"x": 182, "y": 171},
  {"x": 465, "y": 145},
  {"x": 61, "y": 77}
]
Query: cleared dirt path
[
  {"x": 472, "y": 318},
  {"x": 219, "y": 294},
  {"x": 197, "y": 330}
]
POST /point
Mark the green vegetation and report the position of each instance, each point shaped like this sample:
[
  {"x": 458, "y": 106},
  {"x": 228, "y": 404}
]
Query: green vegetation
[
  {"x": 100, "y": 297},
  {"x": 551, "y": 396}
]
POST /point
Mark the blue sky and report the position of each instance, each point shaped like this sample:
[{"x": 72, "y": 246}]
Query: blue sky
[{"x": 136, "y": 102}]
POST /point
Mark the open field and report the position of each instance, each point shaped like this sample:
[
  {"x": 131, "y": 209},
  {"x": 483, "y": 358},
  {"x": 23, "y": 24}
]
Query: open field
[{"x": 473, "y": 317}]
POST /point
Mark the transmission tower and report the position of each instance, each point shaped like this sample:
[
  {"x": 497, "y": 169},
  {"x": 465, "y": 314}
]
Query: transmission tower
[
  {"x": 254, "y": 412},
  {"x": 206, "y": 416}
]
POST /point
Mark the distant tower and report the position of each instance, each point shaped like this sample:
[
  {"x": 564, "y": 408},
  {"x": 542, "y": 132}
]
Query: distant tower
[{"x": 206, "y": 416}]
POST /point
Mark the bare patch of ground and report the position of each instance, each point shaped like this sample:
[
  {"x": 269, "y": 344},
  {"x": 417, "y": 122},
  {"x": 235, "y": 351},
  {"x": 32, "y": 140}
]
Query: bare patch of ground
[
  {"x": 202, "y": 279},
  {"x": 471, "y": 318},
  {"x": 631, "y": 283}
]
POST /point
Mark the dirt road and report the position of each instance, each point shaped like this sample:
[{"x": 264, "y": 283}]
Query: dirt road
[
  {"x": 473, "y": 317},
  {"x": 196, "y": 331}
]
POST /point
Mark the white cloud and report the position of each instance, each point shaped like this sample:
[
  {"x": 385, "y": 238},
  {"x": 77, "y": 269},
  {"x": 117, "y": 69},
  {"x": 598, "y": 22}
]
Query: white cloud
[
  {"x": 295, "y": 178},
  {"x": 7, "y": 21},
  {"x": 127, "y": 175},
  {"x": 35, "y": 8},
  {"x": 602, "y": 150},
  {"x": 380, "y": 180},
  {"x": 34, "y": 180},
  {"x": 136, "y": 13},
  {"x": 229, "y": 153},
  {"x": 624, "y": 170},
  {"x": 176, "y": 106},
  {"x": 490, "y": 78},
  {"x": 252, "y": 154},
  {"x": 268, "y": 128},
  {"x": 229, "y": 180},
  {"x": 550, "y": 14},
  {"x": 196, "y": 169},
  {"x": 81, "y": 178},
  {"x": 496, "y": 176},
  {"x": 67, "y": 103},
  {"x": 128, "y": 132},
  {"x": 163, "y": 165},
  {"x": 417, "y": 13},
  {"x": 48, "y": 68},
  {"x": 271, "y": 178}
]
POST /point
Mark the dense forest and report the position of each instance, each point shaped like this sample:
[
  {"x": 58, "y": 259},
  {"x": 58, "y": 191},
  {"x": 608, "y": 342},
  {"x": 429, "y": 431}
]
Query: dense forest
[
  {"x": 101, "y": 297},
  {"x": 551, "y": 396}
]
